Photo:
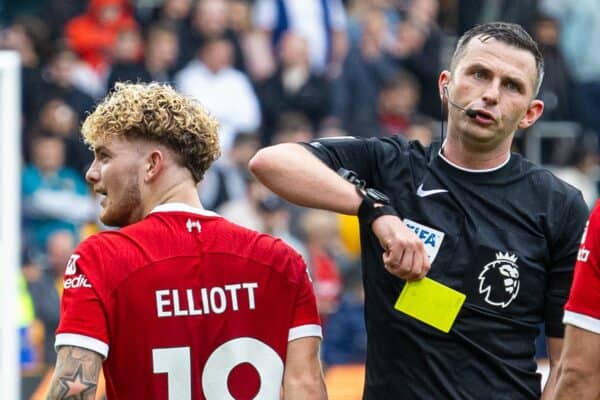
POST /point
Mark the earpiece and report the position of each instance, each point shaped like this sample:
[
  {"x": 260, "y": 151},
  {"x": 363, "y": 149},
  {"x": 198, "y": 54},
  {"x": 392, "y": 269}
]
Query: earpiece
[{"x": 469, "y": 111}]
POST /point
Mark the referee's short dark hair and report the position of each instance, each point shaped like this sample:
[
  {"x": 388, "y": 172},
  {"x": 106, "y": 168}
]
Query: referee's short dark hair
[{"x": 511, "y": 34}]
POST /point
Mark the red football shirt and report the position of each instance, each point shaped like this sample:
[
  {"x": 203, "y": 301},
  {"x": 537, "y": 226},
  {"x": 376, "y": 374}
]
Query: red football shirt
[
  {"x": 186, "y": 305},
  {"x": 583, "y": 308}
]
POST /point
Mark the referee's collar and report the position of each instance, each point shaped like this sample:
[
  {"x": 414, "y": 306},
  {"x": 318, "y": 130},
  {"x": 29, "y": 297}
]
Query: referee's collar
[{"x": 476, "y": 171}]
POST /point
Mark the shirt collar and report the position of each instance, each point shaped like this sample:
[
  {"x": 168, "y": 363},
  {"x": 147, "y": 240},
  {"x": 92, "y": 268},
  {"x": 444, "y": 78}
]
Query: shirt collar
[
  {"x": 181, "y": 207},
  {"x": 477, "y": 171}
]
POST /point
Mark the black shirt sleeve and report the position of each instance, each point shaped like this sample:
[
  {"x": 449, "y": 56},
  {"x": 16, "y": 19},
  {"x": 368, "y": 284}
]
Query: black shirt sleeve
[
  {"x": 563, "y": 249},
  {"x": 347, "y": 152},
  {"x": 370, "y": 158}
]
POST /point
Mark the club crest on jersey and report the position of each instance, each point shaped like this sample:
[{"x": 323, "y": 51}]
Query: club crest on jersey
[
  {"x": 72, "y": 265},
  {"x": 190, "y": 225},
  {"x": 499, "y": 280}
]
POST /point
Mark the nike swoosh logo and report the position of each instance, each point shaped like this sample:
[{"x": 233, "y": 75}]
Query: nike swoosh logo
[{"x": 425, "y": 193}]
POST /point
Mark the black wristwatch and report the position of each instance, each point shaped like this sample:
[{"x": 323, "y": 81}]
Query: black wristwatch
[{"x": 375, "y": 203}]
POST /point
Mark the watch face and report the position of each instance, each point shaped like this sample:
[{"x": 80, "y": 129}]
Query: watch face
[{"x": 377, "y": 196}]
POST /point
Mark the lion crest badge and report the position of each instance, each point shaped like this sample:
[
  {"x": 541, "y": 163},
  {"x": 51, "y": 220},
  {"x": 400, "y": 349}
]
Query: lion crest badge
[{"x": 499, "y": 280}]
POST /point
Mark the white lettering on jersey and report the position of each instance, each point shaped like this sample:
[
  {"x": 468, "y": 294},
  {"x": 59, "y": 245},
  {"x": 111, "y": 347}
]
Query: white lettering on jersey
[
  {"x": 585, "y": 232},
  {"x": 173, "y": 303},
  {"x": 583, "y": 254},
  {"x": 432, "y": 238},
  {"x": 72, "y": 265},
  {"x": 77, "y": 282}
]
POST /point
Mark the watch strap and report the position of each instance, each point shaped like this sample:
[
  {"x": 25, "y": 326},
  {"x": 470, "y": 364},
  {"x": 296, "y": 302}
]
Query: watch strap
[{"x": 369, "y": 211}]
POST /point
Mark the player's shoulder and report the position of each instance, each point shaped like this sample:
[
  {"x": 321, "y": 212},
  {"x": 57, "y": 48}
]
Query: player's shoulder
[
  {"x": 595, "y": 214},
  {"x": 255, "y": 244},
  {"x": 104, "y": 245},
  {"x": 257, "y": 247}
]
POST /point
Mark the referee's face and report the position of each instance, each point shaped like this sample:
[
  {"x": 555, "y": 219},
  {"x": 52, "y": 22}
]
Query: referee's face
[{"x": 497, "y": 81}]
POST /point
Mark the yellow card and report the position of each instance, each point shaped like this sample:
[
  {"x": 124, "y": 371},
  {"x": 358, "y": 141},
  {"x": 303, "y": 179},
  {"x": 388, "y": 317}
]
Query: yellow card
[{"x": 431, "y": 302}]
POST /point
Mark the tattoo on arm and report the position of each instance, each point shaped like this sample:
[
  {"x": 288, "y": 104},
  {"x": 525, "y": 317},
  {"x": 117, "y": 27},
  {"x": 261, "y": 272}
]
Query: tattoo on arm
[{"x": 76, "y": 374}]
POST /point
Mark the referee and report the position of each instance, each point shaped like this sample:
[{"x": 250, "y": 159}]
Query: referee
[{"x": 496, "y": 235}]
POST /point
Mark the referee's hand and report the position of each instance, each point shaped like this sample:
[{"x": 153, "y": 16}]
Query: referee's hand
[{"x": 404, "y": 253}]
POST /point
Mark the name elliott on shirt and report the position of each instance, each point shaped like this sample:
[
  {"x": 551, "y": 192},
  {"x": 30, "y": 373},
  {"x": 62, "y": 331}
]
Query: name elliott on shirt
[{"x": 203, "y": 301}]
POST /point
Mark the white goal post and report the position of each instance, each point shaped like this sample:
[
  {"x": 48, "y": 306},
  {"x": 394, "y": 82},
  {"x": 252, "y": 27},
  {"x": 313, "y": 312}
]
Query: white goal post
[{"x": 10, "y": 221}]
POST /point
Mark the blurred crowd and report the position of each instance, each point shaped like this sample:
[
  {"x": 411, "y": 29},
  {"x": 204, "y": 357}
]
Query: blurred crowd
[{"x": 270, "y": 71}]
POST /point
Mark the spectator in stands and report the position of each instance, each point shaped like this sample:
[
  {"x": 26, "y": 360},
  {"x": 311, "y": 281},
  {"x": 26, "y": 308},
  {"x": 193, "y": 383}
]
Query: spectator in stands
[
  {"x": 322, "y": 23},
  {"x": 57, "y": 118},
  {"x": 226, "y": 179},
  {"x": 293, "y": 87},
  {"x": 56, "y": 13},
  {"x": 580, "y": 23},
  {"x": 293, "y": 127},
  {"x": 128, "y": 47},
  {"x": 259, "y": 59},
  {"x": 58, "y": 82},
  {"x": 417, "y": 49},
  {"x": 321, "y": 237},
  {"x": 580, "y": 166},
  {"x": 558, "y": 87},
  {"x": 365, "y": 70},
  {"x": 345, "y": 338},
  {"x": 358, "y": 12},
  {"x": 276, "y": 217},
  {"x": 176, "y": 13},
  {"x": 213, "y": 81},
  {"x": 93, "y": 34},
  {"x": 27, "y": 37},
  {"x": 397, "y": 105},
  {"x": 474, "y": 12},
  {"x": 245, "y": 211},
  {"x": 45, "y": 287},
  {"x": 55, "y": 197},
  {"x": 160, "y": 57},
  {"x": 239, "y": 18},
  {"x": 209, "y": 19}
]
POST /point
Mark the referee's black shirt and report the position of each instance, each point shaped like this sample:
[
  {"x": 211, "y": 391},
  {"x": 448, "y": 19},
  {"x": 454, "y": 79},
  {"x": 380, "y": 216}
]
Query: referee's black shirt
[{"x": 516, "y": 211}]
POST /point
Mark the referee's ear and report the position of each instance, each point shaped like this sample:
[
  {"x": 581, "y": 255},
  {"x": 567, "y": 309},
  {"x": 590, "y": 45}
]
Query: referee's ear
[{"x": 534, "y": 112}]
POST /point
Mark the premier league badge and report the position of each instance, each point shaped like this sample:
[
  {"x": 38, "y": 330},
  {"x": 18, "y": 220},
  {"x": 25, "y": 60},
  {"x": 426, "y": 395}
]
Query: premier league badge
[{"x": 499, "y": 280}]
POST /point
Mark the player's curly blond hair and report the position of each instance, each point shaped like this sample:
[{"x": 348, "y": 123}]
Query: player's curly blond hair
[{"x": 158, "y": 113}]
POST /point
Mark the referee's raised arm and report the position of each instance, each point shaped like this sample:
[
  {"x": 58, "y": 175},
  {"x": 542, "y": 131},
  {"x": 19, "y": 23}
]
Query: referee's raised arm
[{"x": 294, "y": 173}]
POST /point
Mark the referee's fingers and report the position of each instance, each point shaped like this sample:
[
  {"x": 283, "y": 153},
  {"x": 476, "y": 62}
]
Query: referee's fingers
[
  {"x": 422, "y": 262},
  {"x": 418, "y": 265},
  {"x": 404, "y": 268},
  {"x": 391, "y": 259},
  {"x": 407, "y": 268}
]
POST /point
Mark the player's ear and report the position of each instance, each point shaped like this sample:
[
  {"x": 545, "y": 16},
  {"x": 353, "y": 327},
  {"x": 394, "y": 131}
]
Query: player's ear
[{"x": 154, "y": 164}]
